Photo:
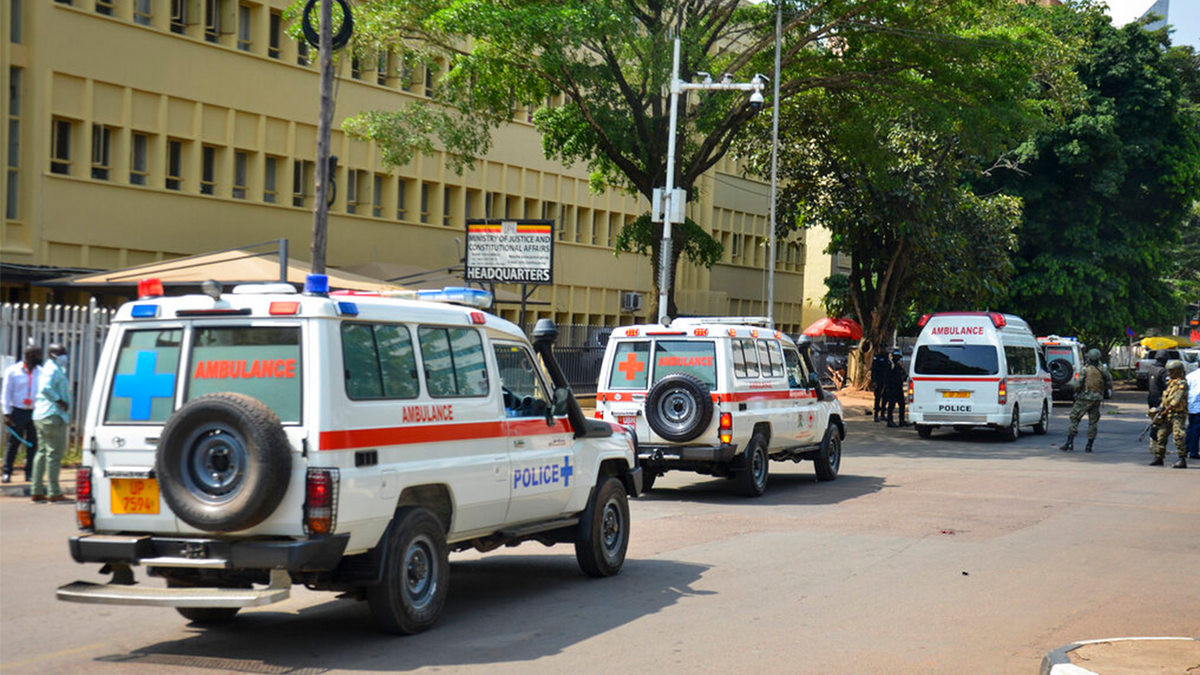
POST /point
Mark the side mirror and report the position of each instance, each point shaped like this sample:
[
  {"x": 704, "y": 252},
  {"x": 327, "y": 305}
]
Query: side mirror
[
  {"x": 814, "y": 381},
  {"x": 562, "y": 396}
]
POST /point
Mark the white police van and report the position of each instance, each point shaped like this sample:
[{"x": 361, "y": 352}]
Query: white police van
[
  {"x": 719, "y": 396},
  {"x": 972, "y": 369},
  {"x": 239, "y": 443}
]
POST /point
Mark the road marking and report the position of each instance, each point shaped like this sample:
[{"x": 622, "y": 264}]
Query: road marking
[{"x": 45, "y": 657}]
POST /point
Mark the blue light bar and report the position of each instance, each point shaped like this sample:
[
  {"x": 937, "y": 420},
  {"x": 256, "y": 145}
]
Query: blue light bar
[
  {"x": 316, "y": 284},
  {"x": 346, "y": 308},
  {"x": 145, "y": 311},
  {"x": 471, "y": 297}
]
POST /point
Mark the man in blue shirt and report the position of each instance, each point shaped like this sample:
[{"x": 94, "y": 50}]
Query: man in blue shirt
[
  {"x": 1193, "y": 428},
  {"x": 51, "y": 416}
]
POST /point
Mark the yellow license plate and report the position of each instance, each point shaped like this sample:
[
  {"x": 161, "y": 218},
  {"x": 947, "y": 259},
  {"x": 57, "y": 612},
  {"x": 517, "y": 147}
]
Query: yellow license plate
[
  {"x": 134, "y": 495},
  {"x": 956, "y": 394}
]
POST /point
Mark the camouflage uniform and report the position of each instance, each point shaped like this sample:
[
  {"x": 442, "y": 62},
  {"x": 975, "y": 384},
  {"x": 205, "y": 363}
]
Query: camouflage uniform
[
  {"x": 1173, "y": 419},
  {"x": 1096, "y": 381}
]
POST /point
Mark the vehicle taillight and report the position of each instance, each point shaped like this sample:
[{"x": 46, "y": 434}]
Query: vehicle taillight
[
  {"x": 83, "y": 499},
  {"x": 910, "y": 391},
  {"x": 1003, "y": 394},
  {"x": 725, "y": 428},
  {"x": 320, "y": 502},
  {"x": 599, "y": 414}
]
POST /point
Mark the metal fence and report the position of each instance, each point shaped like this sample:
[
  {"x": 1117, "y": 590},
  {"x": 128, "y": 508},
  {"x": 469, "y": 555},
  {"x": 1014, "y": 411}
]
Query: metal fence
[{"x": 81, "y": 329}]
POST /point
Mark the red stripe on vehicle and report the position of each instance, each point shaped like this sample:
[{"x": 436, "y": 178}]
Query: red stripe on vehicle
[
  {"x": 956, "y": 379},
  {"x": 437, "y": 433}
]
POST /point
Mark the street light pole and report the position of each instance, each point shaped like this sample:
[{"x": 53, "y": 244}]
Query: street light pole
[{"x": 324, "y": 122}]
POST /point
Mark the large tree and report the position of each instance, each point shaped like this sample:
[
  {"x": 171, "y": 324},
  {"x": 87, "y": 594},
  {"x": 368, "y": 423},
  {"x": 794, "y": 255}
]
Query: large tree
[
  {"x": 610, "y": 60},
  {"x": 1107, "y": 191}
]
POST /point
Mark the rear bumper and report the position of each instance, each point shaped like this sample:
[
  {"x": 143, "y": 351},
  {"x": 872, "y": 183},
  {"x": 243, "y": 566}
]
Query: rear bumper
[
  {"x": 304, "y": 555},
  {"x": 960, "y": 419},
  {"x": 656, "y": 457}
]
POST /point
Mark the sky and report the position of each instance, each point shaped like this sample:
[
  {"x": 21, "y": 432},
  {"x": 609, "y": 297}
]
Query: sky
[
  {"x": 1184, "y": 17},
  {"x": 1124, "y": 11}
]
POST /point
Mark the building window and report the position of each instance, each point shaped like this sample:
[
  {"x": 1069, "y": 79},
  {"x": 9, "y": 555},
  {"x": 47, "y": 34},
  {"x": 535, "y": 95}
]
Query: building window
[
  {"x": 424, "y": 202},
  {"x": 469, "y": 204},
  {"x": 179, "y": 16},
  {"x": 354, "y": 186},
  {"x": 735, "y": 248},
  {"x": 377, "y": 196},
  {"x": 430, "y": 76},
  {"x": 208, "y": 170},
  {"x": 104, "y": 7},
  {"x": 382, "y": 65},
  {"x": 302, "y": 53},
  {"x": 14, "y": 140},
  {"x": 14, "y": 22},
  {"x": 401, "y": 199},
  {"x": 406, "y": 74},
  {"x": 174, "y": 164},
  {"x": 212, "y": 20},
  {"x": 60, "y": 147},
  {"x": 142, "y": 12},
  {"x": 302, "y": 183},
  {"x": 276, "y": 30},
  {"x": 356, "y": 67},
  {"x": 244, "y": 28},
  {"x": 270, "y": 173},
  {"x": 447, "y": 198},
  {"x": 137, "y": 159},
  {"x": 101, "y": 145},
  {"x": 240, "y": 159}
]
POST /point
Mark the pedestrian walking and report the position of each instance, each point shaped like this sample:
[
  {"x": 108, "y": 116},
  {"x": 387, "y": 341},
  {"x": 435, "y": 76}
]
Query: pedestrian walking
[
  {"x": 19, "y": 391},
  {"x": 879, "y": 379},
  {"x": 1171, "y": 417},
  {"x": 1193, "y": 428},
  {"x": 51, "y": 415},
  {"x": 897, "y": 377},
  {"x": 1090, "y": 393}
]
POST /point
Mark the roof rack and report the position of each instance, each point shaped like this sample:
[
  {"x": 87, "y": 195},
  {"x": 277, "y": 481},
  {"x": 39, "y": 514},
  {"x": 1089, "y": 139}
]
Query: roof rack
[{"x": 761, "y": 321}]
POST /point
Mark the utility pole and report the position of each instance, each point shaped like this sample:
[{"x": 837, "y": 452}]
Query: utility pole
[
  {"x": 774, "y": 163},
  {"x": 324, "y": 122}
]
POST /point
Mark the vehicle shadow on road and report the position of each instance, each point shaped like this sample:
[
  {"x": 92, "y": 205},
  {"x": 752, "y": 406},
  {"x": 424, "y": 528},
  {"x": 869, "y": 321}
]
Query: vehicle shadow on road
[
  {"x": 501, "y": 608},
  {"x": 796, "y": 487}
]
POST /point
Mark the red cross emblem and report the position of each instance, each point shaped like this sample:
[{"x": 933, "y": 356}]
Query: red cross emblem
[{"x": 631, "y": 366}]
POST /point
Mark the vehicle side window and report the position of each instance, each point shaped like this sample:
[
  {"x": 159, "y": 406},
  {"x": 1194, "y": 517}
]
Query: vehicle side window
[
  {"x": 797, "y": 373},
  {"x": 379, "y": 361},
  {"x": 768, "y": 356},
  {"x": 1041, "y": 358},
  {"x": 1021, "y": 360},
  {"x": 524, "y": 393},
  {"x": 454, "y": 362},
  {"x": 143, "y": 386},
  {"x": 739, "y": 359},
  {"x": 751, "y": 354},
  {"x": 630, "y": 366}
]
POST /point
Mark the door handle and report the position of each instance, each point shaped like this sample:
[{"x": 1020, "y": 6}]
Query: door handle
[{"x": 518, "y": 442}]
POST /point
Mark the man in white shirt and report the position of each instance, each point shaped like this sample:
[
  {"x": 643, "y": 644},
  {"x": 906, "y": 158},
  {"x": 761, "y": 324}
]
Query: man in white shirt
[
  {"x": 17, "y": 396},
  {"x": 1193, "y": 428}
]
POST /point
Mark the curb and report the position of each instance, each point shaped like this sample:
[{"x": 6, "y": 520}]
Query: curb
[
  {"x": 22, "y": 489},
  {"x": 1058, "y": 662}
]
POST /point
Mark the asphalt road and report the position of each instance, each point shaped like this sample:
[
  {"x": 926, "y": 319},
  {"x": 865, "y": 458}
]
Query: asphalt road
[{"x": 961, "y": 553}]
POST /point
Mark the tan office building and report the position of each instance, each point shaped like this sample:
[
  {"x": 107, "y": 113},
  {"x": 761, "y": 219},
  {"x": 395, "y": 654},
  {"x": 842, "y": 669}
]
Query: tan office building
[{"x": 140, "y": 130}]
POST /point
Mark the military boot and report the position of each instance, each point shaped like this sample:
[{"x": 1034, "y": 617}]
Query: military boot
[
  {"x": 1089, "y": 445},
  {"x": 1158, "y": 461},
  {"x": 1181, "y": 464},
  {"x": 1069, "y": 446}
]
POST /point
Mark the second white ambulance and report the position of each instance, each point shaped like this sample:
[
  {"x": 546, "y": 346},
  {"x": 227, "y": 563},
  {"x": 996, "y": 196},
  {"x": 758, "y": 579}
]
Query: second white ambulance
[{"x": 973, "y": 369}]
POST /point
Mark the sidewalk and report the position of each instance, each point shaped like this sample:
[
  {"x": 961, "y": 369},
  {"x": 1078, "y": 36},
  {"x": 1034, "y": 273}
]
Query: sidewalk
[
  {"x": 1125, "y": 656},
  {"x": 19, "y": 487}
]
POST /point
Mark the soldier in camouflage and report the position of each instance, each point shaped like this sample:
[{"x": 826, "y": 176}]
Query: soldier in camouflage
[
  {"x": 1094, "y": 383},
  {"x": 1171, "y": 417}
]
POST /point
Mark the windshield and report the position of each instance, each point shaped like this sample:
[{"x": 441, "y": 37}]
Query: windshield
[{"x": 957, "y": 360}]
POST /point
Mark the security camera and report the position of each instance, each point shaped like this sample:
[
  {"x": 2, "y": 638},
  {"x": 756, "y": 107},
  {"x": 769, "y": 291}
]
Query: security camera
[
  {"x": 756, "y": 101},
  {"x": 727, "y": 78},
  {"x": 706, "y": 78}
]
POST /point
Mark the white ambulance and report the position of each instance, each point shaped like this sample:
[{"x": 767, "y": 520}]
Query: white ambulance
[
  {"x": 973, "y": 369},
  {"x": 719, "y": 396},
  {"x": 239, "y": 443}
]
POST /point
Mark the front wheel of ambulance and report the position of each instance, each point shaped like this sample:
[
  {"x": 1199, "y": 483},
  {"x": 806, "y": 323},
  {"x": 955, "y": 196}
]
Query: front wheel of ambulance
[
  {"x": 223, "y": 462},
  {"x": 829, "y": 457},
  {"x": 416, "y": 577},
  {"x": 603, "y": 533}
]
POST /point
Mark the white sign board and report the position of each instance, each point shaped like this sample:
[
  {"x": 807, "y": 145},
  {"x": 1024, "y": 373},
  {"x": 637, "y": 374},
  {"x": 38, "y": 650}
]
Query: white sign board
[{"x": 510, "y": 251}]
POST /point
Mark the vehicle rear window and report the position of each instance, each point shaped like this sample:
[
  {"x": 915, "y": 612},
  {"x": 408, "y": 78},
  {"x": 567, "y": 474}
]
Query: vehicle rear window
[
  {"x": 630, "y": 366},
  {"x": 694, "y": 357},
  {"x": 1065, "y": 353},
  {"x": 259, "y": 361},
  {"x": 143, "y": 386},
  {"x": 957, "y": 360}
]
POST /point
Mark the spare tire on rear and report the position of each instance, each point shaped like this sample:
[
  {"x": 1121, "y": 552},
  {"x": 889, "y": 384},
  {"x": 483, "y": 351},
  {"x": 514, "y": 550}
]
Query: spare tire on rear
[
  {"x": 1061, "y": 371},
  {"x": 679, "y": 407},
  {"x": 223, "y": 462}
]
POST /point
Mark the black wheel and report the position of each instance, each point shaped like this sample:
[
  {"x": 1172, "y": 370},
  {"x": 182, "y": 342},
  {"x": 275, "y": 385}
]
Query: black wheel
[
  {"x": 924, "y": 430},
  {"x": 1044, "y": 422},
  {"x": 1061, "y": 371},
  {"x": 752, "y": 478},
  {"x": 603, "y": 533},
  {"x": 223, "y": 462},
  {"x": 1013, "y": 431},
  {"x": 416, "y": 575},
  {"x": 679, "y": 407},
  {"x": 648, "y": 478},
  {"x": 829, "y": 459}
]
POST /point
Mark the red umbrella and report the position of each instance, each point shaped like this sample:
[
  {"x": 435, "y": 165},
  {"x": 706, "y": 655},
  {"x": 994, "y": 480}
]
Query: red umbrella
[{"x": 843, "y": 328}]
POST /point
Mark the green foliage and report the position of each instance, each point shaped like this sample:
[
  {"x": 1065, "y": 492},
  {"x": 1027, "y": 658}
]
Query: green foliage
[
  {"x": 837, "y": 300},
  {"x": 690, "y": 241},
  {"x": 1107, "y": 191}
]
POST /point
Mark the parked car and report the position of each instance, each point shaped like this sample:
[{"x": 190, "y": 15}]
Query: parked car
[{"x": 1146, "y": 365}]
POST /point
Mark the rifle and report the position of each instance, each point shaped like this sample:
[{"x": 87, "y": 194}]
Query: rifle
[{"x": 1153, "y": 420}]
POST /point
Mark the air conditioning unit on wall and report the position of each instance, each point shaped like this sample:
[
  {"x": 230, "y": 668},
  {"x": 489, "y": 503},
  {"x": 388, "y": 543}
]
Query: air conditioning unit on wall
[{"x": 631, "y": 302}]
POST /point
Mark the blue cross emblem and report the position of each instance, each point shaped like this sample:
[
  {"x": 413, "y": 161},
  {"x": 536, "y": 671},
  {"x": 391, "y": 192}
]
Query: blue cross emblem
[
  {"x": 143, "y": 384},
  {"x": 567, "y": 471}
]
